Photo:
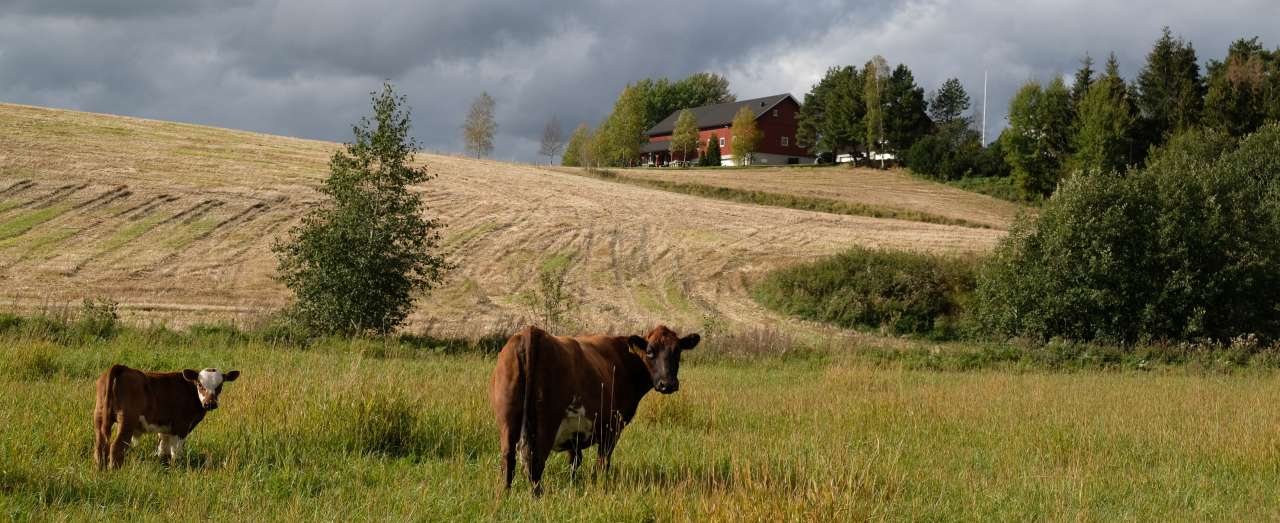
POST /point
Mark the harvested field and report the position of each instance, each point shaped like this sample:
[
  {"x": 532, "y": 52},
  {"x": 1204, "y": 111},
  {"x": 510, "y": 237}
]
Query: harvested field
[
  {"x": 175, "y": 221},
  {"x": 892, "y": 189}
]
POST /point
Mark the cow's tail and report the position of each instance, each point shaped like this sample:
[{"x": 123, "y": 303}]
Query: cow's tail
[
  {"x": 113, "y": 377},
  {"x": 529, "y": 414}
]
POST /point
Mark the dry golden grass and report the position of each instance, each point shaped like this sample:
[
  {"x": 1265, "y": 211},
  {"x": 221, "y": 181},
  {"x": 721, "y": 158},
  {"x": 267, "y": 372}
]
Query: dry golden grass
[
  {"x": 892, "y": 189},
  {"x": 176, "y": 221}
]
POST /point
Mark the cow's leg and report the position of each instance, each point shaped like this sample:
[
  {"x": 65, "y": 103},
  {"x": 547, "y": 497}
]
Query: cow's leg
[
  {"x": 545, "y": 441},
  {"x": 175, "y": 449},
  {"x": 604, "y": 452},
  {"x": 509, "y": 434},
  {"x": 604, "y": 456},
  {"x": 122, "y": 442},
  {"x": 102, "y": 424}
]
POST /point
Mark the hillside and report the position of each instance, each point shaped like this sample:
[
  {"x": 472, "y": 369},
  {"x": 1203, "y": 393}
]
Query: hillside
[
  {"x": 175, "y": 221},
  {"x": 873, "y": 187}
]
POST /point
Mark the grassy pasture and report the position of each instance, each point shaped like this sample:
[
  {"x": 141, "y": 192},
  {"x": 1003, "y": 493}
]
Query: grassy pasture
[{"x": 374, "y": 430}]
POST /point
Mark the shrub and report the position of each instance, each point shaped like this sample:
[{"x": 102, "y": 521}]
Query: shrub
[
  {"x": 928, "y": 155},
  {"x": 99, "y": 319},
  {"x": 1187, "y": 248},
  {"x": 555, "y": 301},
  {"x": 897, "y": 291},
  {"x": 941, "y": 157}
]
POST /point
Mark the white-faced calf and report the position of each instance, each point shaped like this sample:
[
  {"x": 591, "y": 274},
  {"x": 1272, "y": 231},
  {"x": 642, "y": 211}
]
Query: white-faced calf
[{"x": 170, "y": 404}]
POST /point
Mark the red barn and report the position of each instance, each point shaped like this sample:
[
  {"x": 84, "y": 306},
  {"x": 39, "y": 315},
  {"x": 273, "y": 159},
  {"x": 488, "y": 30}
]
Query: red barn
[{"x": 777, "y": 117}]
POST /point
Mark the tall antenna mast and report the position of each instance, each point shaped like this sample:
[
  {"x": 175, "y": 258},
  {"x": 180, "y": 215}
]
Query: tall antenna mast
[{"x": 984, "y": 108}]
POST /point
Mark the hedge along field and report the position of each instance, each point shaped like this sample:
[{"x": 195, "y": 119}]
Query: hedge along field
[{"x": 374, "y": 430}]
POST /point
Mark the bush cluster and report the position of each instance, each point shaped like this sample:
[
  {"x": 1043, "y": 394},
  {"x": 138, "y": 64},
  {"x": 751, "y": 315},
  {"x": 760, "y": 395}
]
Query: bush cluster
[
  {"x": 1187, "y": 248},
  {"x": 900, "y": 292},
  {"x": 938, "y": 156}
]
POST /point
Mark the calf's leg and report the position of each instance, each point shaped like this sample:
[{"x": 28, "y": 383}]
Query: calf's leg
[
  {"x": 175, "y": 448},
  {"x": 162, "y": 451},
  {"x": 122, "y": 442},
  {"x": 102, "y": 424}
]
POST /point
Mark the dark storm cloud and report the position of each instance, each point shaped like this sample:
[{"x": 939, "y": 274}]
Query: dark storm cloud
[{"x": 305, "y": 67}]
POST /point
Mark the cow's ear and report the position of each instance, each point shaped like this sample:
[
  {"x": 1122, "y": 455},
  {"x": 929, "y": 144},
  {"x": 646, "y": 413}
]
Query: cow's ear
[
  {"x": 689, "y": 342},
  {"x": 190, "y": 375},
  {"x": 637, "y": 344},
  {"x": 231, "y": 376}
]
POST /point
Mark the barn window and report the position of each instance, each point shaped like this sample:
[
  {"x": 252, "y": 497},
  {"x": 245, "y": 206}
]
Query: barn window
[
  {"x": 786, "y": 140},
  {"x": 775, "y": 113},
  {"x": 722, "y": 142}
]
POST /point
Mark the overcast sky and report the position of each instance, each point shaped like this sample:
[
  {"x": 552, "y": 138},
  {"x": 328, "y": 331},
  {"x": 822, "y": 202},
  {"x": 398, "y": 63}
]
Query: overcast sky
[{"x": 305, "y": 67}]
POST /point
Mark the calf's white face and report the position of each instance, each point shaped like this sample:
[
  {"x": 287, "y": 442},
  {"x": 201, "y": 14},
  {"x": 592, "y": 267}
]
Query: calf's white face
[{"x": 208, "y": 384}]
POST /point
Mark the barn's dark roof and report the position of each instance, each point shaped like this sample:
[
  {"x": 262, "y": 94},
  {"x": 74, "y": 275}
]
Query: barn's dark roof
[
  {"x": 718, "y": 114},
  {"x": 653, "y": 147}
]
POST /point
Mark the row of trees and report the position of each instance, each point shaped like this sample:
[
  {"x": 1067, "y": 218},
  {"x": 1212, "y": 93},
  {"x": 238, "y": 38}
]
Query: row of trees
[
  {"x": 856, "y": 111},
  {"x": 1104, "y": 123},
  {"x": 617, "y": 139}
]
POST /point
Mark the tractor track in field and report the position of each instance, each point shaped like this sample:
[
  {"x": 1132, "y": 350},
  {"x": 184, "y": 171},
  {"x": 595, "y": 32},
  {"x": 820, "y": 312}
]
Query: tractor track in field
[{"x": 635, "y": 254}]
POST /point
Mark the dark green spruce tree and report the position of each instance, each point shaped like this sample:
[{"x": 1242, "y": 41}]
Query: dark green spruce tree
[
  {"x": 905, "y": 119},
  {"x": 1083, "y": 80},
  {"x": 357, "y": 260},
  {"x": 712, "y": 156},
  {"x": 1170, "y": 93}
]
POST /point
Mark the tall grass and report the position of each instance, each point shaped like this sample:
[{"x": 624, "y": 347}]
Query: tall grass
[{"x": 330, "y": 432}]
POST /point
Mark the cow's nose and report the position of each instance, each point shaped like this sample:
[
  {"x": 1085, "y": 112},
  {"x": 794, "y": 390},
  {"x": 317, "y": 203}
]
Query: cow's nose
[{"x": 211, "y": 406}]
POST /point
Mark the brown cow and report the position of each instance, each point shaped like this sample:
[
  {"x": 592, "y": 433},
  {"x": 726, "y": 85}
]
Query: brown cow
[
  {"x": 568, "y": 393},
  {"x": 168, "y": 403}
]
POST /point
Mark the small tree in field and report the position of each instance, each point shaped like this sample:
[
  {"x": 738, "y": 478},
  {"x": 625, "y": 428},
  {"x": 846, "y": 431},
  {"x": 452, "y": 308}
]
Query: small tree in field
[
  {"x": 355, "y": 262},
  {"x": 480, "y": 127},
  {"x": 552, "y": 140},
  {"x": 746, "y": 136},
  {"x": 685, "y": 138}
]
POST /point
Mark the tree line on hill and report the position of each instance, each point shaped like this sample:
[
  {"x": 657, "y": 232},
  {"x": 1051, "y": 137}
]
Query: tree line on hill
[
  {"x": 1100, "y": 122},
  {"x": 1106, "y": 124},
  {"x": 617, "y": 139}
]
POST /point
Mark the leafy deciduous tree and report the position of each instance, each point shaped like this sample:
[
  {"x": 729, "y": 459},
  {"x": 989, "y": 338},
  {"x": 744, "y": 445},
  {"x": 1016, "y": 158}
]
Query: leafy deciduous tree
[
  {"x": 684, "y": 139},
  {"x": 578, "y": 142},
  {"x": 1104, "y": 125},
  {"x": 746, "y": 136},
  {"x": 1036, "y": 142},
  {"x": 552, "y": 139},
  {"x": 875, "y": 76},
  {"x": 356, "y": 261},
  {"x": 478, "y": 130}
]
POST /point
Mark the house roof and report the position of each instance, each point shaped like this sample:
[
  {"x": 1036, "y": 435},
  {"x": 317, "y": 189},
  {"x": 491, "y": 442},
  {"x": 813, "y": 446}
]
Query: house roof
[
  {"x": 653, "y": 147},
  {"x": 718, "y": 115}
]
